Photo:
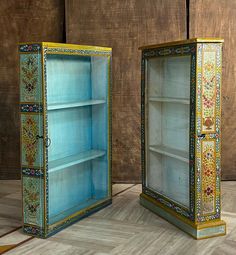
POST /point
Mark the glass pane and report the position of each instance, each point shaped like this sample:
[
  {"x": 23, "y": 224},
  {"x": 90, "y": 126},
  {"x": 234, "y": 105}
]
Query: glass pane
[
  {"x": 168, "y": 99},
  {"x": 77, "y": 128}
]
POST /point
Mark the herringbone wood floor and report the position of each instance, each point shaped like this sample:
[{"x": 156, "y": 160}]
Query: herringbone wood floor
[{"x": 126, "y": 228}]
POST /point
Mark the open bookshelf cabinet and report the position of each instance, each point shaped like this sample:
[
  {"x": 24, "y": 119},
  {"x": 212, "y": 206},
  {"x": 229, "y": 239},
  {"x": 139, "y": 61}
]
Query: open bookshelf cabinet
[
  {"x": 65, "y": 134},
  {"x": 181, "y": 134}
]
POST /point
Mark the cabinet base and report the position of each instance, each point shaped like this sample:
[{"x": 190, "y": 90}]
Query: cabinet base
[
  {"x": 53, "y": 229},
  {"x": 198, "y": 231}
]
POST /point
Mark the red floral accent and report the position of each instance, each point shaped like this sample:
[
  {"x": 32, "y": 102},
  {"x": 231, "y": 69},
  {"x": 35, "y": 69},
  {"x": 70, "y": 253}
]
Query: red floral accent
[{"x": 208, "y": 191}]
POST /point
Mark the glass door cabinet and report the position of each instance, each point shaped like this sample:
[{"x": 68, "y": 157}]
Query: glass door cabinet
[
  {"x": 65, "y": 134},
  {"x": 181, "y": 134}
]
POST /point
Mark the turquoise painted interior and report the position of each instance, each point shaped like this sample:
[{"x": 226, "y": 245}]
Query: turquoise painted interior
[{"x": 78, "y": 135}]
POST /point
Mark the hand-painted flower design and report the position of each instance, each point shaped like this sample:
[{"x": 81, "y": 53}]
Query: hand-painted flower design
[
  {"x": 208, "y": 175},
  {"x": 208, "y": 92},
  {"x": 29, "y": 71},
  {"x": 29, "y": 139},
  {"x": 31, "y": 197}
]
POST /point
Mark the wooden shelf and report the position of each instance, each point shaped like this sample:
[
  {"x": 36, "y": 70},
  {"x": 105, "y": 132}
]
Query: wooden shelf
[
  {"x": 62, "y": 163},
  {"x": 74, "y": 104},
  {"x": 177, "y": 154},
  {"x": 169, "y": 100}
]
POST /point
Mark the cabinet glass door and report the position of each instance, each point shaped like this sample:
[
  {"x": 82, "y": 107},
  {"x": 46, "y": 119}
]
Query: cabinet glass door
[
  {"x": 168, "y": 115},
  {"x": 77, "y": 110}
]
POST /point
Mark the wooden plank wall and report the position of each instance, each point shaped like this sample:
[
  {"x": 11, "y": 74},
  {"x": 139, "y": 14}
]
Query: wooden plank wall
[
  {"x": 20, "y": 21},
  {"x": 217, "y": 18},
  {"x": 124, "y": 26}
]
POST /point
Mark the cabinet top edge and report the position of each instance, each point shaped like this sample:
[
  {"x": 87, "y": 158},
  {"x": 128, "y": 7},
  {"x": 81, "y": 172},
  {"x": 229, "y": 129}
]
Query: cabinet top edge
[
  {"x": 67, "y": 46},
  {"x": 189, "y": 41}
]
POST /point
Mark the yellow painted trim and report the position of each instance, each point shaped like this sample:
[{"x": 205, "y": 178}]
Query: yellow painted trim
[
  {"x": 68, "y": 46},
  {"x": 76, "y": 54},
  {"x": 52, "y": 45},
  {"x": 190, "y": 41},
  {"x": 44, "y": 147},
  {"x": 109, "y": 149}
]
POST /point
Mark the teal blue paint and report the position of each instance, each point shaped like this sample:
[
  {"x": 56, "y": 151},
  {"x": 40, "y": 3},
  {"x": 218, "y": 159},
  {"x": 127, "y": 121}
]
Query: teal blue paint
[{"x": 78, "y": 133}]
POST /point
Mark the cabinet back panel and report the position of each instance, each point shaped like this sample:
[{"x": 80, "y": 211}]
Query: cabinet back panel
[
  {"x": 169, "y": 77},
  {"x": 69, "y": 188},
  {"x": 68, "y": 78},
  {"x": 168, "y": 113},
  {"x": 76, "y": 187},
  {"x": 99, "y": 77},
  {"x": 168, "y": 125},
  {"x": 169, "y": 177},
  {"x": 69, "y": 131}
]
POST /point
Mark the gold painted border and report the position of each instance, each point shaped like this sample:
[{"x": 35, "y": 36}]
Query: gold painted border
[
  {"x": 190, "y": 41},
  {"x": 43, "y": 89},
  {"x": 67, "y": 46},
  {"x": 109, "y": 124}
]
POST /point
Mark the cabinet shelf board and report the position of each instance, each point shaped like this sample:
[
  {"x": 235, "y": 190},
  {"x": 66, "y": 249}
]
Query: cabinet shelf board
[
  {"x": 169, "y": 100},
  {"x": 62, "y": 163},
  {"x": 59, "y": 106},
  {"x": 167, "y": 151}
]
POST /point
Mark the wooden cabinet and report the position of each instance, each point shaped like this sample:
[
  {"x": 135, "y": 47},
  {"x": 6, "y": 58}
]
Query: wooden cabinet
[
  {"x": 65, "y": 134},
  {"x": 181, "y": 84}
]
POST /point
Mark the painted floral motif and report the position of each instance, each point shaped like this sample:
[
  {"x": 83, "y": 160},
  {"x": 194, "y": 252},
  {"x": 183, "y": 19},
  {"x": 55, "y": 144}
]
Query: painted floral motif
[
  {"x": 29, "y": 47},
  {"x": 31, "y": 197},
  {"x": 29, "y": 139},
  {"x": 208, "y": 176},
  {"x": 31, "y": 108},
  {"x": 29, "y": 80},
  {"x": 208, "y": 91},
  {"x": 32, "y": 172}
]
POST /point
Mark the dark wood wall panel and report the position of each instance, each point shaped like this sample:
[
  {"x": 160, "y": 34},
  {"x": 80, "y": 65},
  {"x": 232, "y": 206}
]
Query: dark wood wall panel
[
  {"x": 125, "y": 25},
  {"x": 20, "y": 21},
  {"x": 217, "y": 18}
]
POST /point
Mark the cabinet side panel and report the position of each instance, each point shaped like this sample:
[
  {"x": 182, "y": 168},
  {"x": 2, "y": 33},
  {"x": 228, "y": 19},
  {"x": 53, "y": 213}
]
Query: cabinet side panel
[
  {"x": 31, "y": 138},
  {"x": 208, "y": 132}
]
